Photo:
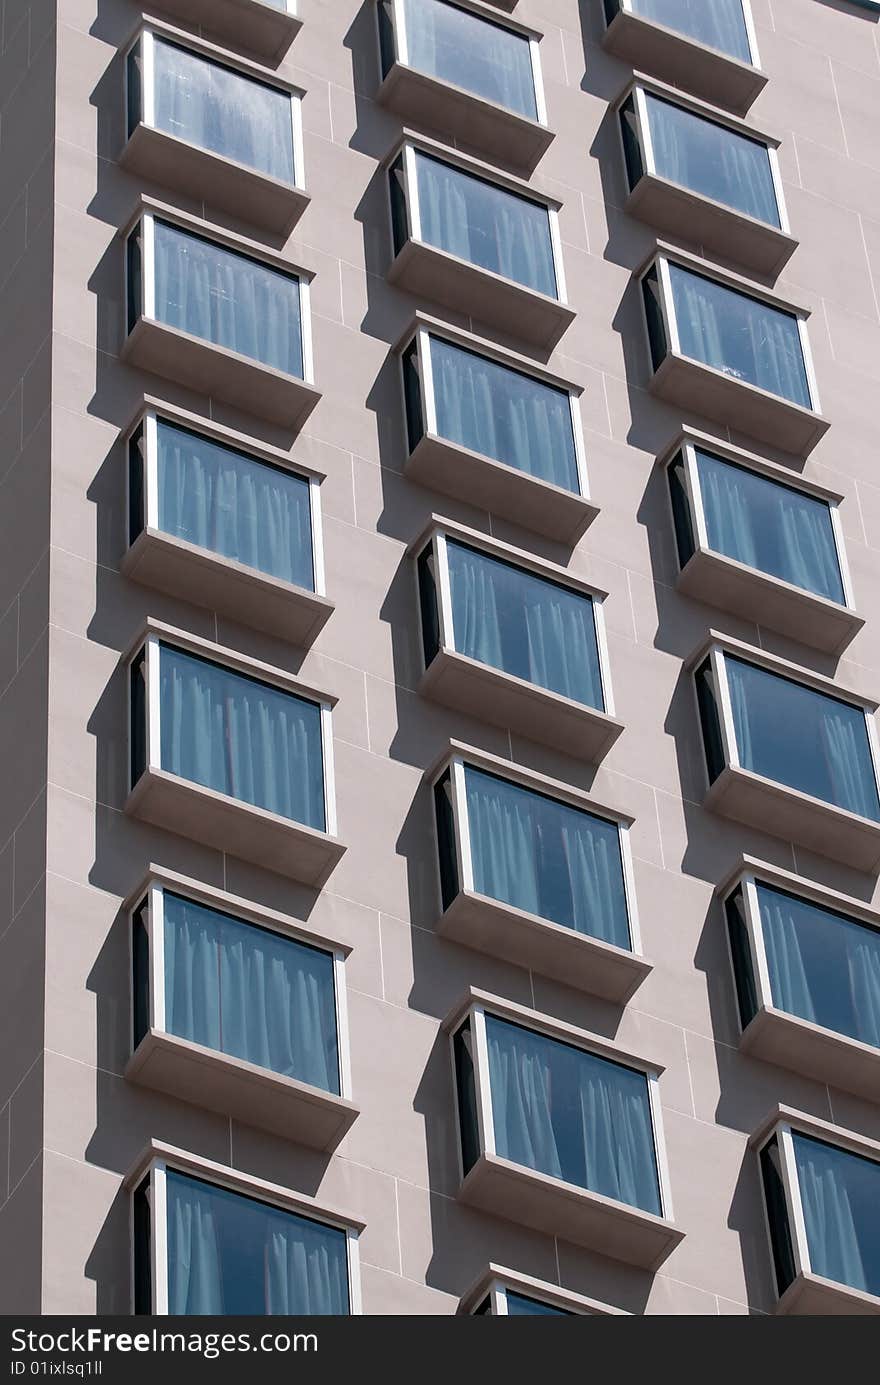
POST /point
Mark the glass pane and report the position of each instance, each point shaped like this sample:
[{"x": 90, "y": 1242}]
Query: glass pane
[
  {"x": 712, "y": 159},
  {"x": 525, "y": 625},
  {"x": 802, "y": 738},
  {"x": 547, "y": 858},
  {"x": 840, "y": 1193},
  {"x": 717, "y": 23},
  {"x": 504, "y": 414},
  {"x": 741, "y": 956},
  {"x": 221, "y": 110},
  {"x": 823, "y": 966},
  {"x": 572, "y": 1115},
  {"x": 251, "y": 993},
  {"x": 519, "y": 1306},
  {"x": 769, "y": 526},
  {"x": 777, "y": 1214},
  {"x": 227, "y": 299},
  {"x": 232, "y": 504},
  {"x": 485, "y": 224},
  {"x": 241, "y": 737},
  {"x": 740, "y": 336},
  {"x": 461, "y": 47},
  {"x": 467, "y": 1097},
  {"x": 231, "y": 1255}
]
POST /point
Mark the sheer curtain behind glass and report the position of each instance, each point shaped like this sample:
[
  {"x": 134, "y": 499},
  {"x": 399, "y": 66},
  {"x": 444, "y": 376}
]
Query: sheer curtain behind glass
[
  {"x": 231, "y": 1255},
  {"x": 572, "y": 1115},
  {"x": 740, "y": 336},
  {"x": 223, "y": 111},
  {"x": 241, "y": 737},
  {"x": 251, "y": 993},
  {"x": 520, "y": 1306},
  {"x": 461, "y": 47},
  {"x": 717, "y": 23},
  {"x": 231, "y": 504},
  {"x": 542, "y": 856},
  {"x": 840, "y": 1193},
  {"x": 503, "y": 414},
  {"x": 524, "y": 625},
  {"x": 823, "y": 967},
  {"x": 802, "y": 738},
  {"x": 485, "y": 224},
  {"x": 712, "y": 160},
  {"x": 769, "y": 526},
  {"x": 228, "y": 299}
]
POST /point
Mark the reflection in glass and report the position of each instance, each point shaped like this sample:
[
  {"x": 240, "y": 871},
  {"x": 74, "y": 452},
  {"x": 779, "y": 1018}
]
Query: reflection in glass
[
  {"x": 840, "y": 1194},
  {"x": 719, "y": 24},
  {"x": 461, "y": 47}
]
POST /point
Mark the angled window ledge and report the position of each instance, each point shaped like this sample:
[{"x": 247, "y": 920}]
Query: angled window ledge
[
  {"x": 304, "y": 1257},
  {"x": 476, "y": 241},
  {"x": 453, "y": 66},
  {"x": 514, "y": 640},
  {"x": 821, "y": 1189},
  {"x": 806, "y": 968},
  {"x": 788, "y": 751},
  {"x": 246, "y": 341},
  {"x": 264, "y": 29},
  {"x": 214, "y": 128},
  {"x": 704, "y": 178},
  {"x": 709, "y": 50},
  {"x": 521, "y": 458},
  {"x": 706, "y": 329},
  {"x": 190, "y": 534},
  {"x": 501, "y": 1292},
  {"x": 211, "y": 1028},
  {"x": 752, "y": 541},
  {"x": 501, "y": 896},
  {"x": 267, "y": 798},
  {"x": 584, "y": 1191}
]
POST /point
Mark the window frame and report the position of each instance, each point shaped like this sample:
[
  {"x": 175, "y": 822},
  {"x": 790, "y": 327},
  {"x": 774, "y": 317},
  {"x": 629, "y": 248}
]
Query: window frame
[
  {"x": 152, "y": 1173},
  {"x": 627, "y": 7}
]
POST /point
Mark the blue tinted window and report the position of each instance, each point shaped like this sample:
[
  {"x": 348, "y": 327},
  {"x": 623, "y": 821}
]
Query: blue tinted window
[
  {"x": 504, "y": 414},
  {"x": 241, "y": 737},
  {"x": 547, "y": 858},
  {"x": 712, "y": 159},
  {"x": 840, "y": 1193},
  {"x": 769, "y": 526},
  {"x": 719, "y": 24},
  {"x": 740, "y": 336},
  {"x": 519, "y": 1306},
  {"x": 462, "y": 47},
  {"x": 249, "y": 992},
  {"x": 802, "y": 738},
  {"x": 572, "y": 1115},
  {"x": 523, "y": 624},
  {"x": 231, "y": 1255},
  {"x": 485, "y": 224},
  {"x": 232, "y": 504}
]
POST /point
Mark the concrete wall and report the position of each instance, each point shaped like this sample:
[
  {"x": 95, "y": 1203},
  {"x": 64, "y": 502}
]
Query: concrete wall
[{"x": 397, "y": 1167}]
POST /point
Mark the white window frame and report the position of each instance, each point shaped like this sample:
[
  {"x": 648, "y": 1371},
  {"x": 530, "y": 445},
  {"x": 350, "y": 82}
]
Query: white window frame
[
  {"x": 628, "y": 8},
  {"x": 149, "y": 421},
  {"x": 498, "y": 1290},
  {"x": 457, "y": 766},
  {"x": 155, "y": 1178},
  {"x": 153, "y": 740},
  {"x": 152, "y": 902},
  {"x": 410, "y": 151},
  {"x": 476, "y": 1015}
]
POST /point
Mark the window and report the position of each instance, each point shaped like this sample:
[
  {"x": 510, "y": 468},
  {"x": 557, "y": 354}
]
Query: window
[
  {"x": 761, "y": 522},
  {"x": 561, "y": 1111},
  {"x": 221, "y": 296},
  {"x": 220, "y": 499},
  {"x": 715, "y": 160},
  {"x": 719, "y": 24},
  {"x": 491, "y": 409},
  {"x": 222, "y": 1252},
  {"x": 478, "y": 221},
  {"x": 232, "y": 733},
  {"x": 820, "y": 965},
  {"x": 235, "y": 987},
  {"x": 743, "y": 337},
  {"x": 511, "y": 619},
  {"x": 182, "y": 93},
  {"x": 503, "y": 1302}
]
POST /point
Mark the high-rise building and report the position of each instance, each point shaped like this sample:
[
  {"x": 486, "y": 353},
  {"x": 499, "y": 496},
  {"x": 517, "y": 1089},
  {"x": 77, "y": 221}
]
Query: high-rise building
[{"x": 439, "y": 547}]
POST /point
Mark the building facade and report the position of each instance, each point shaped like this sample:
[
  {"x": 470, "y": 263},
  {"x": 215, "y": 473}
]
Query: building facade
[{"x": 439, "y": 526}]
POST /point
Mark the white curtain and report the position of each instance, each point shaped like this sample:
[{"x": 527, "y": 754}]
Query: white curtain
[
  {"x": 839, "y": 1194},
  {"x": 712, "y": 160},
  {"x": 718, "y": 23}
]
